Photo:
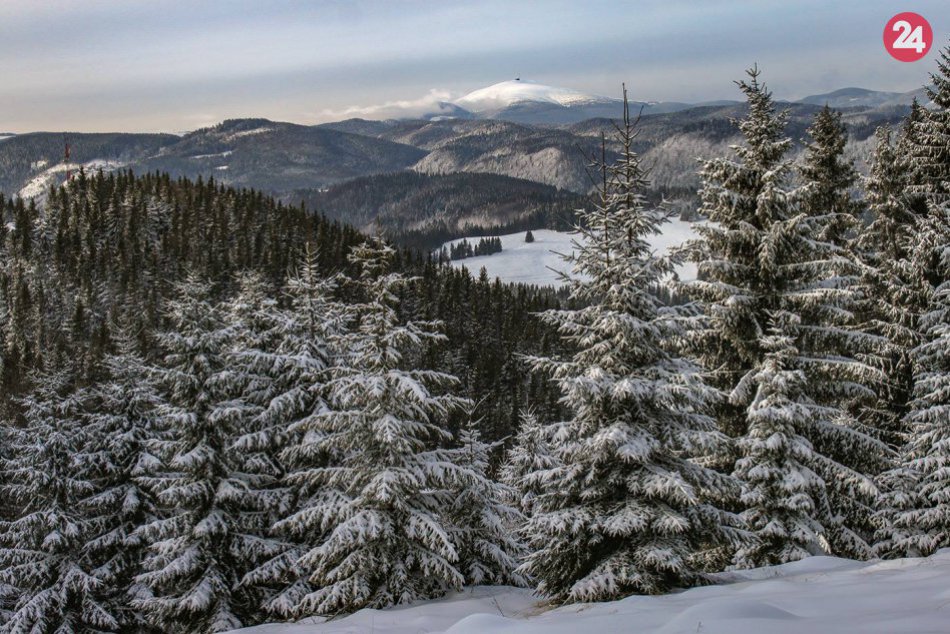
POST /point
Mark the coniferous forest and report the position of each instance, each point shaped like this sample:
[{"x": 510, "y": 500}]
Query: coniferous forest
[{"x": 220, "y": 410}]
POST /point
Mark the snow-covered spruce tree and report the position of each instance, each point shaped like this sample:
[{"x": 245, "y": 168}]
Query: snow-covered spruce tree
[
  {"x": 742, "y": 197},
  {"x": 763, "y": 254},
  {"x": 482, "y": 517},
  {"x": 923, "y": 526},
  {"x": 826, "y": 294},
  {"x": 121, "y": 422},
  {"x": 43, "y": 554},
  {"x": 386, "y": 481},
  {"x": 827, "y": 180},
  {"x": 893, "y": 293},
  {"x": 295, "y": 365},
  {"x": 205, "y": 541},
  {"x": 626, "y": 510},
  {"x": 783, "y": 495},
  {"x": 262, "y": 376},
  {"x": 528, "y": 461},
  {"x": 930, "y": 143}
]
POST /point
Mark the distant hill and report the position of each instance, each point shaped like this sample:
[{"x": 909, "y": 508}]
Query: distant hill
[
  {"x": 278, "y": 157},
  {"x": 25, "y": 157},
  {"x": 427, "y": 210},
  {"x": 864, "y": 98},
  {"x": 289, "y": 160}
]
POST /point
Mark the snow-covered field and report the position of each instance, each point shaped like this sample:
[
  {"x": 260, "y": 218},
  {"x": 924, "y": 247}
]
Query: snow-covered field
[
  {"x": 820, "y": 595},
  {"x": 537, "y": 262},
  {"x": 40, "y": 183}
]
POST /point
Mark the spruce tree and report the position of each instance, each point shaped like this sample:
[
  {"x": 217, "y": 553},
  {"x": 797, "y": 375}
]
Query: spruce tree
[
  {"x": 627, "y": 509},
  {"x": 43, "y": 552},
  {"x": 386, "y": 480},
  {"x": 482, "y": 516},
  {"x": 121, "y": 421},
  {"x": 263, "y": 378},
  {"x": 922, "y": 525},
  {"x": 528, "y": 461},
  {"x": 205, "y": 540},
  {"x": 894, "y": 295},
  {"x": 892, "y": 290},
  {"x": 291, "y": 365},
  {"x": 930, "y": 144},
  {"x": 829, "y": 301},
  {"x": 765, "y": 255},
  {"x": 742, "y": 197},
  {"x": 783, "y": 495},
  {"x": 827, "y": 180}
]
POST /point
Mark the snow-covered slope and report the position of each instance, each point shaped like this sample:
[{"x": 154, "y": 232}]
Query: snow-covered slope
[
  {"x": 820, "y": 595},
  {"x": 39, "y": 184},
  {"x": 508, "y": 93},
  {"x": 538, "y": 262}
]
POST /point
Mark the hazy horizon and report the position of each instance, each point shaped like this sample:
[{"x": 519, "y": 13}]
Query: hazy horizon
[{"x": 108, "y": 65}]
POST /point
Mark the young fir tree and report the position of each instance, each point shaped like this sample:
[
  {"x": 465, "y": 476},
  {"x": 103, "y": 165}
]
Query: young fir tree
[
  {"x": 122, "y": 423},
  {"x": 386, "y": 481},
  {"x": 783, "y": 495},
  {"x": 528, "y": 461},
  {"x": 482, "y": 517},
  {"x": 922, "y": 526},
  {"x": 764, "y": 256},
  {"x": 627, "y": 509},
  {"x": 205, "y": 541},
  {"x": 43, "y": 552}
]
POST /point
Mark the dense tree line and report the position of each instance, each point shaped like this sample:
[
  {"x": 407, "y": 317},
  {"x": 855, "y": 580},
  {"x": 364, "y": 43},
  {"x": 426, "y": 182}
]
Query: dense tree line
[
  {"x": 464, "y": 249},
  {"x": 222, "y": 410}
]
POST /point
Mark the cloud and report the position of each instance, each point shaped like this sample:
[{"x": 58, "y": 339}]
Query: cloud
[{"x": 436, "y": 101}]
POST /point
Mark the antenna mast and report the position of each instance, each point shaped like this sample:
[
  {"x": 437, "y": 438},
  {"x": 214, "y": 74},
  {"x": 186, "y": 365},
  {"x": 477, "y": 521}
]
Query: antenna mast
[{"x": 69, "y": 174}]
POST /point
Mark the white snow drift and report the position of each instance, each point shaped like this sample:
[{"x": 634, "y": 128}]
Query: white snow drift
[{"x": 819, "y": 595}]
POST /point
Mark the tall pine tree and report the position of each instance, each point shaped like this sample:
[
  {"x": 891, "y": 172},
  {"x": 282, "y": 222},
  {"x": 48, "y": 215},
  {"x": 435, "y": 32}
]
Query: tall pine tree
[
  {"x": 626, "y": 510},
  {"x": 386, "y": 481},
  {"x": 770, "y": 274}
]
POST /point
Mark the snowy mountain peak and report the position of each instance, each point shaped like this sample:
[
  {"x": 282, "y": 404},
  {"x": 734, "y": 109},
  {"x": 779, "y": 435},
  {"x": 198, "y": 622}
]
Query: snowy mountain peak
[{"x": 507, "y": 93}]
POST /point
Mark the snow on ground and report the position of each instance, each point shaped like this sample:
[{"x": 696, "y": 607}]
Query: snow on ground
[
  {"x": 37, "y": 186},
  {"x": 6, "y": 136},
  {"x": 243, "y": 133},
  {"x": 207, "y": 156},
  {"x": 536, "y": 262},
  {"x": 820, "y": 595}
]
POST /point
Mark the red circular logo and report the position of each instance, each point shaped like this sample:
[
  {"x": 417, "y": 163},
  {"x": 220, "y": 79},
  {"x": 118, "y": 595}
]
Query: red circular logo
[{"x": 908, "y": 37}]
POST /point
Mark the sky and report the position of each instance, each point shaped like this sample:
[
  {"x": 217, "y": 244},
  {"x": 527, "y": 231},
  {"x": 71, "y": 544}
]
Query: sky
[{"x": 177, "y": 65}]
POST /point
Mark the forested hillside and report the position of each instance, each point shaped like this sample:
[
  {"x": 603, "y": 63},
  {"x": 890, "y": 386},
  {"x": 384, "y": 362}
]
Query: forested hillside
[
  {"x": 423, "y": 211},
  {"x": 283, "y": 159},
  {"x": 106, "y": 251}
]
